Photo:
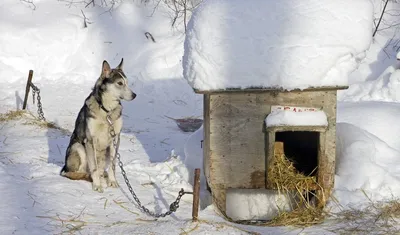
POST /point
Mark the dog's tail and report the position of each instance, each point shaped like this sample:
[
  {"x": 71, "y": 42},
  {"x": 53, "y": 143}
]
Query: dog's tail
[{"x": 76, "y": 175}]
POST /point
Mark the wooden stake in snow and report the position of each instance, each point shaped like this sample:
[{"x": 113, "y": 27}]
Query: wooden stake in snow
[
  {"x": 27, "y": 89},
  {"x": 196, "y": 195}
]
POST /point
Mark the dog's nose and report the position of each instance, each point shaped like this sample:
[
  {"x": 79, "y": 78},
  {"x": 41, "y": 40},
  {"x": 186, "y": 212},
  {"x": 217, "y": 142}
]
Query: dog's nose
[{"x": 133, "y": 95}]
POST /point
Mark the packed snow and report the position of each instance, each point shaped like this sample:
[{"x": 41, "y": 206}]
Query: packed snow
[
  {"x": 296, "y": 118},
  {"x": 257, "y": 204},
  {"x": 276, "y": 44},
  {"x": 50, "y": 38}
]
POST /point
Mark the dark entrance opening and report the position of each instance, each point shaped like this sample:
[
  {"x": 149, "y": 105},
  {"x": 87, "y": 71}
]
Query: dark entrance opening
[{"x": 301, "y": 147}]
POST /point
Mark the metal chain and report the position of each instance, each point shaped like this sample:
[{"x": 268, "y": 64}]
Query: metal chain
[
  {"x": 35, "y": 90},
  {"x": 172, "y": 208}
]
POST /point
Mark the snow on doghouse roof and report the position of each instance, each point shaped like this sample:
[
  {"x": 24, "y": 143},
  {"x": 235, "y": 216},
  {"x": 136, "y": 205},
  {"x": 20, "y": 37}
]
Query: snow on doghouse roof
[{"x": 281, "y": 44}]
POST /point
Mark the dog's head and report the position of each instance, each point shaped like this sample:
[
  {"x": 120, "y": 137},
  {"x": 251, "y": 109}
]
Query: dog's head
[{"x": 115, "y": 83}]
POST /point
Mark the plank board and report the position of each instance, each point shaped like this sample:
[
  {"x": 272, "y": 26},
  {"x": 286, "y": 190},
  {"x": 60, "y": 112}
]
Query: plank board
[{"x": 237, "y": 141}]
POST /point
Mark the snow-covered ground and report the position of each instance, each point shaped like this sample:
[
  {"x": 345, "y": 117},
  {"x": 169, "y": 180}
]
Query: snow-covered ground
[{"x": 159, "y": 158}]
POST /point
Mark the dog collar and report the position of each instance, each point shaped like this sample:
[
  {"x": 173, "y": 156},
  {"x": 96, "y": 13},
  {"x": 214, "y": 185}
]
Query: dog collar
[
  {"x": 101, "y": 106},
  {"x": 105, "y": 110}
]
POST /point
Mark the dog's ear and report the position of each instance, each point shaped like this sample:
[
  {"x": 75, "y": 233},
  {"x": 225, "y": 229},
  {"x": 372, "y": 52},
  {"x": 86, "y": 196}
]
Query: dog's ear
[
  {"x": 105, "y": 70},
  {"x": 121, "y": 64}
]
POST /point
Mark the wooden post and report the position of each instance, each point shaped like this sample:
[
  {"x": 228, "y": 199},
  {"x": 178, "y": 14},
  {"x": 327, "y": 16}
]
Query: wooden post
[
  {"x": 27, "y": 89},
  {"x": 196, "y": 195}
]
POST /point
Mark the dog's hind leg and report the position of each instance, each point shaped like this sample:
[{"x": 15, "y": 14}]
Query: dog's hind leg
[
  {"x": 75, "y": 165},
  {"x": 83, "y": 166},
  {"x": 92, "y": 163},
  {"x": 111, "y": 181}
]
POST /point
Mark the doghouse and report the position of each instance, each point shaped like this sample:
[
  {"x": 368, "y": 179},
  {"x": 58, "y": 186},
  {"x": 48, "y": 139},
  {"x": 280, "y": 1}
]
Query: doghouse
[
  {"x": 238, "y": 146},
  {"x": 269, "y": 72}
]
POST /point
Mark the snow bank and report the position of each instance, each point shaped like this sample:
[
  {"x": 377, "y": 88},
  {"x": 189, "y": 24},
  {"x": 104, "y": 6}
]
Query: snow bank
[
  {"x": 194, "y": 154},
  {"x": 53, "y": 41},
  {"x": 293, "y": 118},
  {"x": 365, "y": 163},
  {"x": 287, "y": 44},
  {"x": 194, "y": 159},
  {"x": 50, "y": 40},
  {"x": 381, "y": 119},
  {"x": 193, "y": 151},
  {"x": 368, "y": 150}
]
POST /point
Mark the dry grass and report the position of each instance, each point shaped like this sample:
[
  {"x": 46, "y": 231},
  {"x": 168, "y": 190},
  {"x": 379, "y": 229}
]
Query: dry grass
[
  {"x": 45, "y": 125},
  {"x": 12, "y": 115},
  {"x": 299, "y": 217},
  {"x": 121, "y": 204},
  {"x": 390, "y": 210},
  {"x": 284, "y": 177},
  {"x": 72, "y": 224},
  {"x": 30, "y": 119},
  {"x": 377, "y": 218},
  {"x": 190, "y": 230}
]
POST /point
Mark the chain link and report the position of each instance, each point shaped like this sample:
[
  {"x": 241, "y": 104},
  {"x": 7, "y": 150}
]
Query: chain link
[
  {"x": 35, "y": 90},
  {"x": 172, "y": 208}
]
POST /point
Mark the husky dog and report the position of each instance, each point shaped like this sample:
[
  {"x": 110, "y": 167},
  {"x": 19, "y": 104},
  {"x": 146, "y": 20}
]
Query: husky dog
[{"x": 91, "y": 149}]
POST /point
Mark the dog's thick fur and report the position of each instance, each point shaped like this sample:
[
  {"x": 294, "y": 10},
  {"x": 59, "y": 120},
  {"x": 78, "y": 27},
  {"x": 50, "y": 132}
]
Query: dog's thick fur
[{"x": 90, "y": 151}]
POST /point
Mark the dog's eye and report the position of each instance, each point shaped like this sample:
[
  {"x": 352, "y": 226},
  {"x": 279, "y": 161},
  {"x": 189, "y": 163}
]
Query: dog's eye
[{"x": 120, "y": 83}]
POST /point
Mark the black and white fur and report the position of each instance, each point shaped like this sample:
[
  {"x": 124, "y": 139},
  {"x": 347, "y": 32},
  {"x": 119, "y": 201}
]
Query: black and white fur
[{"x": 90, "y": 151}]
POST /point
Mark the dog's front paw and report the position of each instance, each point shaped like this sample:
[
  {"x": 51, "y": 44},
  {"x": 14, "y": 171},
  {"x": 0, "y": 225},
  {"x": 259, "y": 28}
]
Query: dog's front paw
[
  {"x": 112, "y": 183},
  {"x": 97, "y": 188}
]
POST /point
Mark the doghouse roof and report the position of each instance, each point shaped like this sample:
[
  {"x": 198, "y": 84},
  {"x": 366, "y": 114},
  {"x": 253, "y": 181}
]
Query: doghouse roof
[{"x": 287, "y": 45}]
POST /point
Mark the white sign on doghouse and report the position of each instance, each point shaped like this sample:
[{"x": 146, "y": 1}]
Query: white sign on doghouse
[{"x": 294, "y": 109}]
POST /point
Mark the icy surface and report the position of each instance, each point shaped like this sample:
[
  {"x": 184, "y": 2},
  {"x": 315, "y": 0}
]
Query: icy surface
[{"x": 276, "y": 44}]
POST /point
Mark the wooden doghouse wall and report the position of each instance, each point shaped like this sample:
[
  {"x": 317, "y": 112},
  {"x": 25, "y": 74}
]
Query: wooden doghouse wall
[{"x": 234, "y": 137}]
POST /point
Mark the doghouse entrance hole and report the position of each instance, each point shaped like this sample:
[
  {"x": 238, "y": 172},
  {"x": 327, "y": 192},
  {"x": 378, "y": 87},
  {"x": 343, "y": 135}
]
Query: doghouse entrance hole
[{"x": 301, "y": 147}]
